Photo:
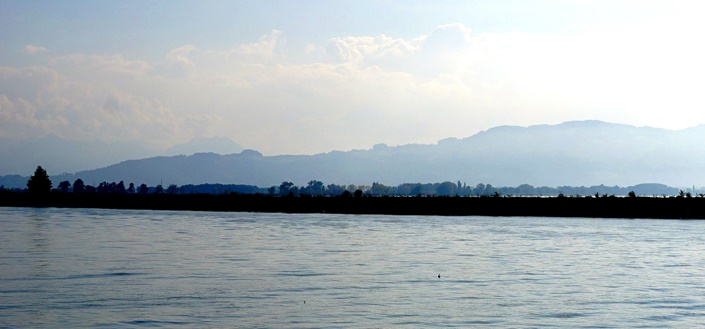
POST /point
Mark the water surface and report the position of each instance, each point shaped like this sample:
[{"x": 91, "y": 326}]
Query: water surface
[{"x": 110, "y": 268}]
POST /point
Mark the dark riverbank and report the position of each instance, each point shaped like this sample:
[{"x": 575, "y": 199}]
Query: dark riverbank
[{"x": 607, "y": 207}]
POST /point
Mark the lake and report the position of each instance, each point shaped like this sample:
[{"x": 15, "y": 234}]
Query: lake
[{"x": 62, "y": 268}]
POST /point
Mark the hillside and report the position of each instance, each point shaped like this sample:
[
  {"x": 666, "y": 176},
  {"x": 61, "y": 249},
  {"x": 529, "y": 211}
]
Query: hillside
[{"x": 579, "y": 153}]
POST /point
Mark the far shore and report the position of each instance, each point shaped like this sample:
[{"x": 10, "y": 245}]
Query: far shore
[{"x": 603, "y": 207}]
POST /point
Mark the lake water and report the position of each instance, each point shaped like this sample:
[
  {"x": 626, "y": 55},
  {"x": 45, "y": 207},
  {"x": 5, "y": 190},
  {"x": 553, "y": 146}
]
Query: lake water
[{"x": 107, "y": 268}]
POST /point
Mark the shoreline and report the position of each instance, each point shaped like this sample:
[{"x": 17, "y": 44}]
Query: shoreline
[{"x": 586, "y": 207}]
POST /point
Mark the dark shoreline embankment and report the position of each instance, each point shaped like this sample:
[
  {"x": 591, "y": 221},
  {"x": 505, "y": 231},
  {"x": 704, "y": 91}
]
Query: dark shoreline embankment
[{"x": 608, "y": 207}]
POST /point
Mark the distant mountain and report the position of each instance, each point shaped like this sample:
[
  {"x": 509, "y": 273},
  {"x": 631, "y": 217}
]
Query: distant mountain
[
  {"x": 218, "y": 145},
  {"x": 58, "y": 155},
  {"x": 579, "y": 153}
]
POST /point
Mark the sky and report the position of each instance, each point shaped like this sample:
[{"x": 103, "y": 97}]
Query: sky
[{"x": 306, "y": 77}]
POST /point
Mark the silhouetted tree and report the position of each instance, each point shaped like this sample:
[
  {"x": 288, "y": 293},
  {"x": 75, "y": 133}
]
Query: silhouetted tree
[
  {"x": 358, "y": 193},
  {"x": 272, "y": 190},
  {"x": 333, "y": 189},
  {"x": 632, "y": 194},
  {"x": 39, "y": 183},
  {"x": 78, "y": 186},
  {"x": 314, "y": 188},
  {"x": 285, "y": 188},
  {"x": 525, "y": 189},
  {"x": 131, "y": 188},
  {"x": 64, "y": 186},
  {"x": 104, "y": 188},
  {"x": 480, "y": 189},
  {"x": 120, "y": 188},
  {"x": 143, "y": 189},
  {"x": 159, "y": 189},
  {"x": 446, "y": 189},
  {"x": 381, "y": 189},
  {"x": 172, "y": 189},
  {"x": 294, "y": 191}
]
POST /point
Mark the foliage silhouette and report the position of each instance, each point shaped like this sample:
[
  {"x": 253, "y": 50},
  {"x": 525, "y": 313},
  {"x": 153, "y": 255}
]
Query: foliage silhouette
[
  {"x": 78, "y": 186},
  {"x": 64, "y": 186},
  {"x": 39, "y": 183}
]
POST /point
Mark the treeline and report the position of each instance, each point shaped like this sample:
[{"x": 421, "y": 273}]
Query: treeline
[
  {"x": 421, "y": 199},
  {"x": 40, "y": 182},
  {"x": 462, "y": 189},
  {"x": 605, "y": 207}
]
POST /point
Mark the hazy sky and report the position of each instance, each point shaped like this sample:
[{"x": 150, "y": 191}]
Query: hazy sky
[{"x": 303, "y": 77}]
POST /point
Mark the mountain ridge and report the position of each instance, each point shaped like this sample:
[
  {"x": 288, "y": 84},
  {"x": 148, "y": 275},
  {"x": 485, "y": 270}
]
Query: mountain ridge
[{"x": 575, "y": 153}]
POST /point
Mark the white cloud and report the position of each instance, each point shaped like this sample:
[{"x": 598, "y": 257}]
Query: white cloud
[
  {"x": 35, "y": 101},
  {"x": 180, "y": 55},
  {"x": 358, "y": 49},
  {"x": 33, "y": 50},
  {"x": 357, "y": 91},
  {"x": 178, "y": 61},
  {"x": 265, "y": 47},
  {"x": 95, "y": 63},
  {"x": 449, "y": 36}
]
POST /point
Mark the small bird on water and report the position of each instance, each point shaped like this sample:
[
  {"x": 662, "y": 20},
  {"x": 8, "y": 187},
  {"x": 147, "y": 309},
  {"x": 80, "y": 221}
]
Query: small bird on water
[{"x": 439, "y": 275}]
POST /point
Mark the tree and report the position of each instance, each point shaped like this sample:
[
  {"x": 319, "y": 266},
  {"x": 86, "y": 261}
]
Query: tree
[
  {"x": 131, "y": 189},
  {"x": 39, "y": 183},
  {"x": 105, "y": 187},
  {"x": 172, "y": 189},
  {"x": 78, "y": 186},
  {"x": 64, "y": 186},
  {"x": 159, "y": 189},
  {"x": 285, "y": 188},
  {"x": 446, "y": 189},
  {"x": 120, "y": 188},
  {"x": 333, "y": 189},
  {"x": 380, "y": 189},
  {"x": 314, "y": 188},
  {"x": 143, "y": 189}
]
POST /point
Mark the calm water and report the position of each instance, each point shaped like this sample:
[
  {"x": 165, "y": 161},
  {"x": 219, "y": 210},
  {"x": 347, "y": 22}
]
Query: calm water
[{"x": 108, "y": 268}]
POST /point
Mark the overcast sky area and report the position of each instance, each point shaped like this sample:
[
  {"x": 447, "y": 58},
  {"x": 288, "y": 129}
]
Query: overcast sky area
[{"x": 305, "y": 77}]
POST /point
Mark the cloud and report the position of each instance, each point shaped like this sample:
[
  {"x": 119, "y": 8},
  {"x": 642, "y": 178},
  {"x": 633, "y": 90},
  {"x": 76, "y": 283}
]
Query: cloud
[
  {"x": 98, "y": 63},
  {"x": 35, "y": 101},
  {"x": 357, "y": 91},
  {"x": 178, "y": 62},
  {"x": 180, "y": 55},
  {"x": 33, "y": 50},
  {"x": 449, "y": 36},
  {"x": 265, "y": 47},
  {"x": 358, "y": 49},
  {"x": 269, "y": 47}
]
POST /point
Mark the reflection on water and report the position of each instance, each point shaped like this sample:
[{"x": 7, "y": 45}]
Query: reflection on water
[
  {"x": 86, "y": 268},
  {"x": 38, "y": 245}
]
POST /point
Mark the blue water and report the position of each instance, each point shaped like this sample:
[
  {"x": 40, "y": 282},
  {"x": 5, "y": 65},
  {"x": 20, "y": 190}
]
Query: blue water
[{"x": 62, "y": 268}]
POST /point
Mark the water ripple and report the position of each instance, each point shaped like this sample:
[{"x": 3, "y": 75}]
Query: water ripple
[{"x": 137, "y": 269}]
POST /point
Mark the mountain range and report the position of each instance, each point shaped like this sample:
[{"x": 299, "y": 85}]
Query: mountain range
[
  {"x": 58, "y": 155},
  {"x": 575, "y": 153}
]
